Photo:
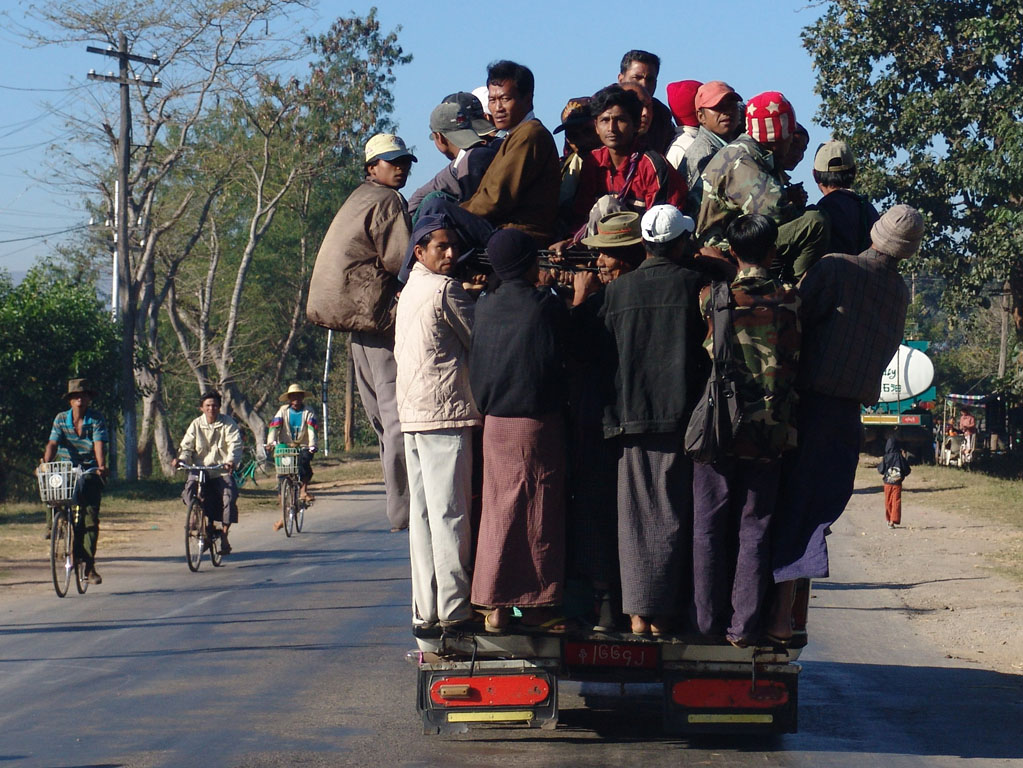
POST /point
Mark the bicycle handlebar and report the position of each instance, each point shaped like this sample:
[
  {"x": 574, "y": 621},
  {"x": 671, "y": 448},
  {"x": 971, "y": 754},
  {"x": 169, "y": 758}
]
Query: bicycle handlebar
[{"x": 198, "y": 468}]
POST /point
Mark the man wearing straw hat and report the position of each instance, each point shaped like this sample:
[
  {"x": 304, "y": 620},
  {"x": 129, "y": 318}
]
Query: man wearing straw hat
[
  {"x": 296, "y": 425},
  {"x": 79, "y": 435}
]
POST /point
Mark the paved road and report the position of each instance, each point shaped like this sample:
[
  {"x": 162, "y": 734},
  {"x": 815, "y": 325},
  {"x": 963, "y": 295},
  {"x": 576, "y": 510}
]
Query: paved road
[{"x": 292, "y": 654}]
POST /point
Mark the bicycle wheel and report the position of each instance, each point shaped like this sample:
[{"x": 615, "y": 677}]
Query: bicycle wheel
[
  {"x": 289, "y": 495},
  {"x": 216, "y": 556},
  {"x": 81, "y": 583},
  {"x": 195, "y": 535},
  {"x": 62, "y": 542},
  {"x": 299, "y": 516}
]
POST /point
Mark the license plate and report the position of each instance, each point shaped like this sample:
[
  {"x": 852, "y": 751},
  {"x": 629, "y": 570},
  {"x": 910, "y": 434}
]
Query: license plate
[{"x": 611, "y": 655}]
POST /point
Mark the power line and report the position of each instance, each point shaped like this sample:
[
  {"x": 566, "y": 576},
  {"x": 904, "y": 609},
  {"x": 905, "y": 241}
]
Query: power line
[{"x": 40, "y": 237}]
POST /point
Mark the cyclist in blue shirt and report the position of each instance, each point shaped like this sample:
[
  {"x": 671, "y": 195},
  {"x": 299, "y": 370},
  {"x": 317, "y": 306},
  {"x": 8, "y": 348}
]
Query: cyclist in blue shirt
[
  {"x": 79, "y": 435},
  {"x": 295, "y": 423}
]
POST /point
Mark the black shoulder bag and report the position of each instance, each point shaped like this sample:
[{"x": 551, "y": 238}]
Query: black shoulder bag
[{"x": 717, "y": 415}]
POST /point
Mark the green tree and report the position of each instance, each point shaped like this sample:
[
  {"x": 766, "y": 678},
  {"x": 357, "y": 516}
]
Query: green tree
[
  {"x": 51, "y": 330},
  {"x": 929, "y": 94}
]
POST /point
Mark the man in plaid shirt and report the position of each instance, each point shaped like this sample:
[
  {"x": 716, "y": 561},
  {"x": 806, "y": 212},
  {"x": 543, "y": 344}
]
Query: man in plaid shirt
[{"x": 853, "y": 315}]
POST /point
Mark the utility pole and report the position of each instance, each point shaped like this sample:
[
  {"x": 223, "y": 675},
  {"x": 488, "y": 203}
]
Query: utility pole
[
  {"x": 125, "y": 287},
  {"x": 1003, "y": 346}
]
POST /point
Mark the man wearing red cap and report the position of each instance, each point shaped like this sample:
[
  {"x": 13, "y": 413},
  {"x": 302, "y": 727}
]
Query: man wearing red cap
[
  {"x": 745, "y": 177},
  {"x": 682, "y": 102},
  {"x": 717, "y": 111}
]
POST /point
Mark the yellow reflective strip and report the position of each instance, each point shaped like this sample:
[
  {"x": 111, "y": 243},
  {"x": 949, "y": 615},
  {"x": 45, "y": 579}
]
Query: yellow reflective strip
[
  {"x": 490, "y": 717},
  {"x": 731, "y": 718}
]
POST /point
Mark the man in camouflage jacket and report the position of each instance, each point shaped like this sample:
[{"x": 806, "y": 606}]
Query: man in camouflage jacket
[
  {"x": 734, "y": 497},
  {"x": 745, "y": 177}
]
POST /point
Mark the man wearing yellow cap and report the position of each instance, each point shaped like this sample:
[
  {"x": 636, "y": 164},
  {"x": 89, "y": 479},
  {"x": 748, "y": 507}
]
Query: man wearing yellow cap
[{"x": 354, "y": 287}]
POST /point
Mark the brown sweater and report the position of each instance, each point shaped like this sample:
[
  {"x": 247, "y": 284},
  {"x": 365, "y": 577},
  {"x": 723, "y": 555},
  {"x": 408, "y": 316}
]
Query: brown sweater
[
  {"x": 520, "y": 188},
  {"x": 354, "y": 281}
]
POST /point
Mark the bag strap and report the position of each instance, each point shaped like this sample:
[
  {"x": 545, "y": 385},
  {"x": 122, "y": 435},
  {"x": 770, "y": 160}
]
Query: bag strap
[
  {"x": 722, "y": 295},
  {"x": 630, "y": 174}
]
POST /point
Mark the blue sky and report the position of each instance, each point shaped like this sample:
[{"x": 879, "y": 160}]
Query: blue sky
[{"x": 574, "y": 48}]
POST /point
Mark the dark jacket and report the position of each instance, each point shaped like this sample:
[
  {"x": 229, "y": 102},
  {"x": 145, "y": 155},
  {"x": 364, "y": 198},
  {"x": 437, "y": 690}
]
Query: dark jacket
[
  {"x": 893, "y": 458},
  {"x": 851, "y": 216},
  {"x": 653, "y": 314},
  {"x": 516, "y": 358}
]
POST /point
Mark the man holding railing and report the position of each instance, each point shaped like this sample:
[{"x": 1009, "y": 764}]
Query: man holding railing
[{"x": 79, "y": 435}]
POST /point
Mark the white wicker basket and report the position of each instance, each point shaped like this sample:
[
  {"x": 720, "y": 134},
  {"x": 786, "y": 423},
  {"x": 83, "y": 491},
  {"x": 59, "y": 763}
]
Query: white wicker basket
[
  {"x": 56, "y": 481},
  {"x": 286, "y": 460}
]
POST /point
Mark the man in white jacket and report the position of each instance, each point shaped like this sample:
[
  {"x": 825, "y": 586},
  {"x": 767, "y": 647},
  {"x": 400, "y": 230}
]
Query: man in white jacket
[{"x": 437, "y": 414}]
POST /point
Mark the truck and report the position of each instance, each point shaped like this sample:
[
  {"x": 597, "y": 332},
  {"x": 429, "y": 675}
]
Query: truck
[
  {"x": 707, "y": 686},
  {"x": 907, "y": 404}
]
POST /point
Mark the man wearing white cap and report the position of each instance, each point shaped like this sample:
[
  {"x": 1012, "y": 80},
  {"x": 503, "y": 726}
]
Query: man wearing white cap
[
  {"x": 653, "y": 316},
  {"x": 353, "y": 288}
]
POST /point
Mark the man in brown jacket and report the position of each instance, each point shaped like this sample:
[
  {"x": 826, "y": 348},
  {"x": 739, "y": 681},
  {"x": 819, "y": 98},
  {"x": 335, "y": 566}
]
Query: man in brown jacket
[
  {"x": 353, "y": 288},
  {"x": 520, "y": 188}
]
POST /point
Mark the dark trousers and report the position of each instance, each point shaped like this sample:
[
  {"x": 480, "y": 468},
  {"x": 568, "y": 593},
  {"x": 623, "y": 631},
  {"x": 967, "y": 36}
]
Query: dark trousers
[{"x": 733, "y": 501}]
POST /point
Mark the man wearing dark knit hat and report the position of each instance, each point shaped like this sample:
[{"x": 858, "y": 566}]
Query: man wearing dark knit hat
[
  {"x": 516, "y": 370},
  {"x": 745, "y": 177},
  {"x": 853, "y": 315}
]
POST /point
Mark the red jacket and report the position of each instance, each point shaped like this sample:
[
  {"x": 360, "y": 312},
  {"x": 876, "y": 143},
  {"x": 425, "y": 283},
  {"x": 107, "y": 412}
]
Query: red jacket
[{"x": 654, "y": 182}]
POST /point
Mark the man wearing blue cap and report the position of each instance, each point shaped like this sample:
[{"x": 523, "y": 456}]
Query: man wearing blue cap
[
  {"x": 437, "y": 413},
  {"x": 353, "y": 288}
]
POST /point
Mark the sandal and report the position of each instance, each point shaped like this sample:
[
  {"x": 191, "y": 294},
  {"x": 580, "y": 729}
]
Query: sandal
[
  {"x": 555, "y": 626},
  {"x": 278, "y": 525},
  {"x": 639, "y": 626},
  {"x": 492, "y": 627}
]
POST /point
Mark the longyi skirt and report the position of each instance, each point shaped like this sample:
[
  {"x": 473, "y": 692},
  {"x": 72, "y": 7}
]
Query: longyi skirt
[{"x": 520, "y": 555}]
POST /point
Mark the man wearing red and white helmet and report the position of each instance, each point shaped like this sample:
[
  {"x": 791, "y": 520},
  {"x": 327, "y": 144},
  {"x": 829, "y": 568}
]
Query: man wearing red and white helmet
[{"x": 745, "y": 177}]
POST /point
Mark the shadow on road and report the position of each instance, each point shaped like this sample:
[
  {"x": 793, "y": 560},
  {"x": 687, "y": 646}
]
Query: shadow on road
[{"x": 838, "y": 586}]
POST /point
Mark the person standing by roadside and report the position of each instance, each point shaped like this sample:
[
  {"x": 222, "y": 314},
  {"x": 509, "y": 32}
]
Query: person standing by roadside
[
  {"x": 79, "y": 435},
  {"x": 353, "y": 288},
  {"x": 438, "y": 416},
  {"x": 295, "y": 424},
  {"x": 894, "y": 468}
]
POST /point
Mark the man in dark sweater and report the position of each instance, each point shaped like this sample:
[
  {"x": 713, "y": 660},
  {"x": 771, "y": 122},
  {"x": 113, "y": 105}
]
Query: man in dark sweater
[{"x": 653, "y": 315}]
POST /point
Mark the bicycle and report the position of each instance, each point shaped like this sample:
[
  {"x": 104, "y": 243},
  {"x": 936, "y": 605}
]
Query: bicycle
[
  {"x": 201, "y": 532},
  {"x": 59, "y": 485},
  {"x": 248, "y": 471},
  {"x": 293, "y": 506}
]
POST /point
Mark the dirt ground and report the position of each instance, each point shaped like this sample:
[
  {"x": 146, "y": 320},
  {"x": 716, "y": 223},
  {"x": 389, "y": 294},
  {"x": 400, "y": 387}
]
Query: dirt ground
[
  {"x": 948, "y": 567},
  {"x": 945, "y": 563}
]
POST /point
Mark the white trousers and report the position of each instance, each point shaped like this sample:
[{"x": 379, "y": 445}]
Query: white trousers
[{"x": 440, "y": 496}]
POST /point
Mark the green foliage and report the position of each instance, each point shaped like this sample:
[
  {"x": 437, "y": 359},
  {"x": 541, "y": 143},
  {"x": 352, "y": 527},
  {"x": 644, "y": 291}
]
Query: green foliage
[
  {"x": 929, "y": 94},
  {"x": 51, "y": 329}
]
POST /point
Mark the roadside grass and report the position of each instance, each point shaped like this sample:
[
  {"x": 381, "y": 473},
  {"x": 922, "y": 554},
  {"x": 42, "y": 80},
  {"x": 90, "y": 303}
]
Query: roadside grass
[
  {"x": 971, "y": 494},
  {"x": 129, "y": 510}
]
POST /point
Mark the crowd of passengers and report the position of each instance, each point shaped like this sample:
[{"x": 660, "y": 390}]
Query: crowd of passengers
[{"x": 532, "y": 330}]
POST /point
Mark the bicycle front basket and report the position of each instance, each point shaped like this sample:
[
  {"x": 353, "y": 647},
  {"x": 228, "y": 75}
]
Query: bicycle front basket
[
  {"x": 286, "y": 460},
  {"x": 56, "y": 481}
]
